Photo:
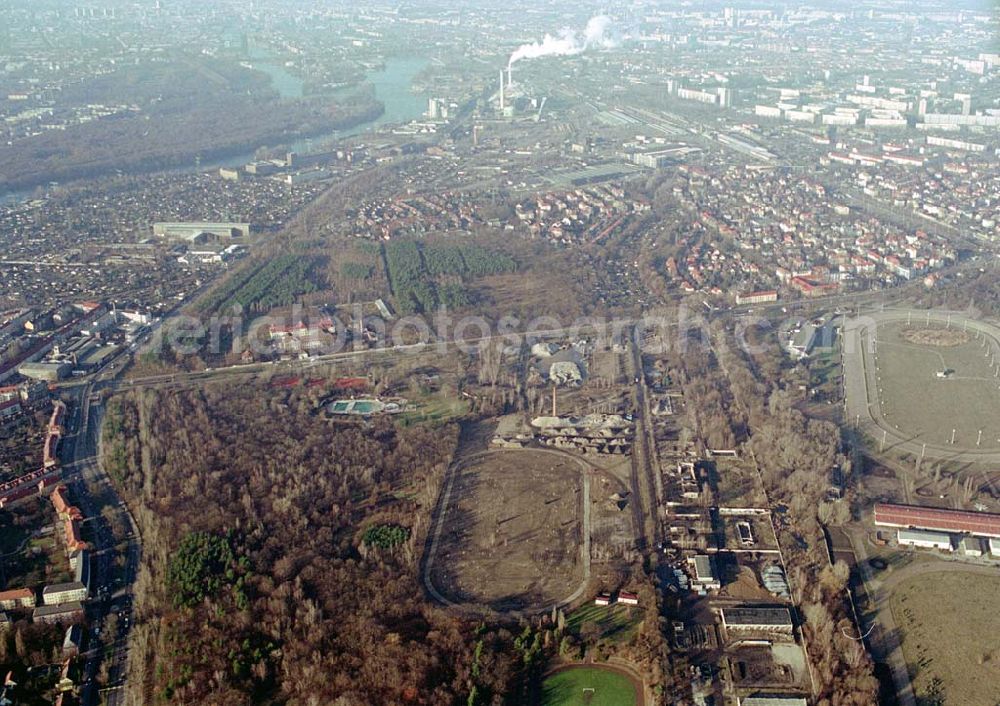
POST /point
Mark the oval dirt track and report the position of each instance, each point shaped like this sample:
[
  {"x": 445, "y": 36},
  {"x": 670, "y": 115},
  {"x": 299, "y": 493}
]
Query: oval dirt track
[{"x": 511, "y": 532}]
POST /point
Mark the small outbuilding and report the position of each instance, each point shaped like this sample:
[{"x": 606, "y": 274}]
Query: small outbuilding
[
  {"x": 628, "y": 598},
  {"x": 971, "y": 546},
  {"x": 705, "y": 574},
  {"x": 923, "y": 539}
]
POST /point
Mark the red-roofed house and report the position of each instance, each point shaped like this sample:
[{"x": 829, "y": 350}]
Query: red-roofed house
[
  {"x": 628, "y": 598},
  {"x": 812, "y": 288}
]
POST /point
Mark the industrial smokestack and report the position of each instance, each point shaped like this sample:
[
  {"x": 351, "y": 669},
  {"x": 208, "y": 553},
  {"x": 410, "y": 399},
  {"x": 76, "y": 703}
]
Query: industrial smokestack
[
  {"x": 569, "y": 42},
  {"x": 501, "y": 91}
]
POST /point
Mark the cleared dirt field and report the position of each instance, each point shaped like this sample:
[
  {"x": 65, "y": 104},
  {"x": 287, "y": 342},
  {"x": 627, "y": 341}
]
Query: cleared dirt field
[
  {"x": 949, "y": 626},
  {"x": 926, "y": 407},
  {"x": 945, "y": 337},
  {"x": 510, "y": 531}
]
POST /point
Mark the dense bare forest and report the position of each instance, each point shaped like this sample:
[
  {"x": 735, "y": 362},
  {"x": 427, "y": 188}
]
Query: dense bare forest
[
  {"x": 796, "y": 456},
  {"x": 257, "y": 580},
  {"x": 977, "y": 292},
  {"x": 177, "y": 111}
]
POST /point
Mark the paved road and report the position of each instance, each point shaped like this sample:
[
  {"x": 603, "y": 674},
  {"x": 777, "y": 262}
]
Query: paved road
[
  {"x": 643, "y": 452},
  {"x": 81, "y": 469},
  {"x": 109, "y": 377},
  {"x": 884, "y": 638}
]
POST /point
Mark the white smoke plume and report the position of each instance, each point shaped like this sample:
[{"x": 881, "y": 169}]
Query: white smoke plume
[{"x": 569, "y": 42}]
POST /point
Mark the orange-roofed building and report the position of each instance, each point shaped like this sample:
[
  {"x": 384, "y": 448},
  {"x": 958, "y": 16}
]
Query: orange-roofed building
[
  {"x": 63, "y": 508},
  {"x": 17, "y": 598},
  {"x": 73, "y": 540}
]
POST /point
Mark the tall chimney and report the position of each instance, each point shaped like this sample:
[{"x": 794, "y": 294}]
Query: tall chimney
[
  {"x": 501, "y": 91},
  {"x": 554, "y": 414}
]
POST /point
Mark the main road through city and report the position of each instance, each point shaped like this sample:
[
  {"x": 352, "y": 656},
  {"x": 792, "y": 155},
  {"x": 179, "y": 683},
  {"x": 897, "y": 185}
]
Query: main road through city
[{"x": 93, "y": 492}]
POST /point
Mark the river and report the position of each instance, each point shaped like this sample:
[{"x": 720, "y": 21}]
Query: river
[{"x": 392, "y": 84}]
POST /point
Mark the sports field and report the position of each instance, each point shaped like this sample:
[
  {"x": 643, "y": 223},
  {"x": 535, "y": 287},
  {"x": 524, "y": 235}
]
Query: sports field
[
  {"x": 949, "y": 625},
  {"x": 933, "y": 379},
  {"x": 589, "y": 686}
]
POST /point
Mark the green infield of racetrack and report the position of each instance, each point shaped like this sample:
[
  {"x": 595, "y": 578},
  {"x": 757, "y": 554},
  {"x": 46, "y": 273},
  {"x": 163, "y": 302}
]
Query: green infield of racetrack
[{"x": 566, "y": 688}]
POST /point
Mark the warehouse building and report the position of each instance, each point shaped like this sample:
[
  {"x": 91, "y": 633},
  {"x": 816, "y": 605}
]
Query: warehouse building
[
  {"x": 773, "y": 700},
  {"x": 935, "y": 519},
  {"x": 201, "y": 231},
  {"x": 923, "y": 539},
  {"x": 971, "y": 546},
  {"x": 757, "y": 619},
  {"x": 705, "y": 575},
  {"x": 50, "y": 371}
]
